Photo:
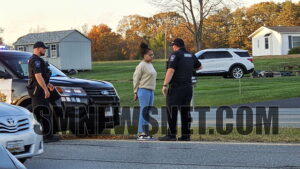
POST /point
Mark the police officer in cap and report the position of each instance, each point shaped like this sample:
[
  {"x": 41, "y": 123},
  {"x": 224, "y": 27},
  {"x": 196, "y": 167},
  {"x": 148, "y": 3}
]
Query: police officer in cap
[
  {"x": 39, "y": 90},
  {"x": 177, "y": 88}
]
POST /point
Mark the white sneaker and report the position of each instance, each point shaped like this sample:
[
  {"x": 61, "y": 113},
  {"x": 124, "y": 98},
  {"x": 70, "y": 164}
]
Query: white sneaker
[
  {"x": 145, "y": 138},
  {"x": 150, "y": 138},
  {"x": 142, "y": 138}
]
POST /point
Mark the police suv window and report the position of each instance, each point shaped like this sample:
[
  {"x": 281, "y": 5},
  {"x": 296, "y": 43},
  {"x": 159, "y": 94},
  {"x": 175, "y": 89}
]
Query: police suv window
[{"x": 20, "y": 66}]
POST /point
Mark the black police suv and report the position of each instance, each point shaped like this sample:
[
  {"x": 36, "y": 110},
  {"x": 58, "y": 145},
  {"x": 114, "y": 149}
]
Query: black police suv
[{"x": 85, "y": 106}]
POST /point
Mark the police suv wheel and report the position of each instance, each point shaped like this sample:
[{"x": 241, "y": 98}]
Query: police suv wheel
[{"x": 237, "y": 72}]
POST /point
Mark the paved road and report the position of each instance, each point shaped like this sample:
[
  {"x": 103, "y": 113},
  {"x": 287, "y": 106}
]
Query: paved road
[
  {"x": 288, "y": 117},
  {"x": 288, "y": 113},
  {"x": 283, "y": 103},
  {"x": 91, "y": 154}
]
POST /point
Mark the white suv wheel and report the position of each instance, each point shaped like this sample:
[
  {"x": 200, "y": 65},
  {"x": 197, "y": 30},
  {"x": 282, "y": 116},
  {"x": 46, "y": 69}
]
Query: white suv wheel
[{"x": 237, "y": 72}]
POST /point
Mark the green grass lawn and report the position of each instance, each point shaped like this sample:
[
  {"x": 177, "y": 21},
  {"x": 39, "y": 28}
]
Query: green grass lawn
[
  {"x": 209, "y": 91},
  {"x": 285, "y": 135}
]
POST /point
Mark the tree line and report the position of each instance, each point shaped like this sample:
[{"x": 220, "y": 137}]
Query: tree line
[
  {"x": 224, "y": 28},
  {"x": 200, "y": 23}
]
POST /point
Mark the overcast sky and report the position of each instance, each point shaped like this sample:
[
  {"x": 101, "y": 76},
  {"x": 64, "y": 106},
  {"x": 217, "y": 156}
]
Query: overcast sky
[{"x": 19, "y": 16}]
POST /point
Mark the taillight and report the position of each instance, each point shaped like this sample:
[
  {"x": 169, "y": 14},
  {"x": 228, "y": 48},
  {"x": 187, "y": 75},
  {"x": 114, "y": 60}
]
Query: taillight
[{"x": 250, "y": 59}]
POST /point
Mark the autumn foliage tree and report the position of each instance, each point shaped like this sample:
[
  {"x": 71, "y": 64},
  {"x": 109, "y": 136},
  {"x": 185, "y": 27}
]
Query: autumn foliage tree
[
  {"x": 106, "y": 45},
  {"x": 228, "y": 28},
  {"x": 153, "y": 30},
  {"x": 217, "y": 28}
]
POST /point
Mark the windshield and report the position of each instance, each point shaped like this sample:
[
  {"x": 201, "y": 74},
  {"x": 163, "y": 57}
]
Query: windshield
[{"x": 20, "y": 66}]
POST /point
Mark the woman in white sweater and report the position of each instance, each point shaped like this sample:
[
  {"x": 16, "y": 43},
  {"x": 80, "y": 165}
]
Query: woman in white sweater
[{"x": 144, "y": 83}]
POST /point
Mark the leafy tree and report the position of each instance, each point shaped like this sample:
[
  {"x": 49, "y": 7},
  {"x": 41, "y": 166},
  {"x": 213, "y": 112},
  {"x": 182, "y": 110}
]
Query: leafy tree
[
  {"x": 157, "y": 44},
  {"x": 289, "y": 14},
  {"x": 134, "y": 25},
  {"x": 263, "y": 14},
  {"x": 182, "y": 32},
  {"x": 217, "y": 29},
  {"x": 136, "y": 29},
  {"x": 106, "y": 45},
  {"x": 237, "y": 34},
  {"x": 194, "y": 11},
  {"x": 165, "y": 21},
  {"x": 231, "y": 29}
]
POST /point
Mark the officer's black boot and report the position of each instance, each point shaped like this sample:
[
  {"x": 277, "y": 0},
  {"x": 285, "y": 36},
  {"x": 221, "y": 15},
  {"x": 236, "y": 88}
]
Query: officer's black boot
[
  {"x": 168, "y": 137},
  {"x": 184, "y": 138}
]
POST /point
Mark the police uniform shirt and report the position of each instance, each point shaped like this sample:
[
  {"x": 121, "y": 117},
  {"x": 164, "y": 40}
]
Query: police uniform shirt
[
  {"x": 38, "y": 65},
  {"x": 184, "y": 63}
]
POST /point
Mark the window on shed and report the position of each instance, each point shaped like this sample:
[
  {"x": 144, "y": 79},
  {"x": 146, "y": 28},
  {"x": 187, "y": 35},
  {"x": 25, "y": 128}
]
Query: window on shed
[
  {"x": 266, "y": 43},
  {"x": 53, "y": 50},
  {"x": 296, "y": 41},
  {"x": 21, "y": 48},
  {"x": 267, "y": 40}
]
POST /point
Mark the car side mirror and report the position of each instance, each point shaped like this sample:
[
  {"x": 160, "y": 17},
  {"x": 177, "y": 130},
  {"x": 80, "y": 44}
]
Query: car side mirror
[{"x": 5, "y": 75}]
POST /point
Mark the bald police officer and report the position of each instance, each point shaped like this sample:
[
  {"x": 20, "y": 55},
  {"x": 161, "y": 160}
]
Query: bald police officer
[
  {"x": 39, "y": 90},
  {"x": 177, "y": 87}
]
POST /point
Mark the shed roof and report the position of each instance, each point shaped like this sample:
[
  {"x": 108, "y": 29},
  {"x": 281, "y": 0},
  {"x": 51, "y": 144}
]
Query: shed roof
[
  {"x": 285, "y": 29},
  {"x": 46, "y": 37},
  {"x": 279, "y": 29}
]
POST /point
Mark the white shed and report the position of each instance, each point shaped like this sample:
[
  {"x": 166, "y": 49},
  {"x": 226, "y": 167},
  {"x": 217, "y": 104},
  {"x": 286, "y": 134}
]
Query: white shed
[
  {"x": 67, "y": 49},
  {"x": 277, "y": 40}
]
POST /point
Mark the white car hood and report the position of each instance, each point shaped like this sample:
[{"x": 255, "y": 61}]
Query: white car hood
[{"x": 11, "y": 110}]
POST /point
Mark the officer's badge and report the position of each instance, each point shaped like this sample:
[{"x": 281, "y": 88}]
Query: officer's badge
[
  {"x": 172, "y": 58},
  {"x": 37, "y": 64}
]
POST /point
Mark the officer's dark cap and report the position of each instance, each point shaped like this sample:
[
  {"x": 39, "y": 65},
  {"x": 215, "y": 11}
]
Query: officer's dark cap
[
  {"x": 178, "y": 42},
  {"x": 40, "y": 44}
]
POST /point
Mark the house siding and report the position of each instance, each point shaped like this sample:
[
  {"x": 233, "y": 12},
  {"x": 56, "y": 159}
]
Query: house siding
[
  {"x": 260, "y": 50},
  {"x": 75, "y": 50},
  {"x": 278, "y": 42}
]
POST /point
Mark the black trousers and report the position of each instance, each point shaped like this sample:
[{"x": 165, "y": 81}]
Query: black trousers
[
  {"x": 179, "y": 99},
  {"x": 42, "y": 110}
]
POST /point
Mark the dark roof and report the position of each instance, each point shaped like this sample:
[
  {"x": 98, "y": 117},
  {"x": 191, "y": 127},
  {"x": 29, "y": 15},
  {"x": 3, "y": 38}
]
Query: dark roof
[
  {"x": 285, "y": 29},
  {"x": 46, "y": 37}
]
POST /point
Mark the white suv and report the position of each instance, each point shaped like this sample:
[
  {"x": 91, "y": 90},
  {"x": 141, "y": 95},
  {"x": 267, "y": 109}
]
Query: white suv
[
  {"x": 19, "y": 132},
  {"x": 226, "y": 62}
]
